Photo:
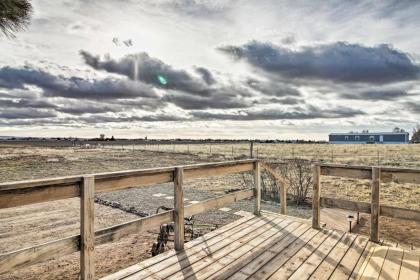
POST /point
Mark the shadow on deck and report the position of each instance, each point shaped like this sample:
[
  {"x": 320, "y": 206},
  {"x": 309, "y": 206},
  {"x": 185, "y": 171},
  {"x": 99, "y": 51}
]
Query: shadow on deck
[{"x": 273, "y": 246}]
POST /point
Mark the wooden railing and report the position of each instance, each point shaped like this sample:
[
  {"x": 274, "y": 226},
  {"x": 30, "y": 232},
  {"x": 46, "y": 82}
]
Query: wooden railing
[
  {"x": 377, "y": 175},
  {"x": 34, "y": 191}
]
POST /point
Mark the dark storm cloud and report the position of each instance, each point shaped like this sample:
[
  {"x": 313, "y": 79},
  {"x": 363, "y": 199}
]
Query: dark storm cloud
[
  {"x": 206, "y": 75},
  {"x": 148, "y": 69},
  {"x": 186, "y": 101},
  {"x": 374, "y": 95},
  {"x": 25, "y": 103},
  {"x": 300, "y": 113},
  {"x": 187, "y": 91},
  {"x": 18, "y": 113},
  {"x": 72, "y": 87},
  {"x": 80, "y": 108},
  {"x": 272, "y": 88},
  {"x": 129, "y": 119},
  {"x": 341, "y": 62},
  {"x": 283, "y": 101}
]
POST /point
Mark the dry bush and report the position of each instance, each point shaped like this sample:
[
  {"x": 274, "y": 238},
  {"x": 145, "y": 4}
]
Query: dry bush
[{"x": 299, "y": 176}]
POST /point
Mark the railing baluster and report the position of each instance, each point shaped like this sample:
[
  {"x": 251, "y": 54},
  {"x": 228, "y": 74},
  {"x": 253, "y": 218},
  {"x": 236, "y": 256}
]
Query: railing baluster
[
  {"x": 375, "y": 204},
  {"x": 87, "y": 231},
  {"x": 179, "y": 208},
  {"x": 257, "y": 182},
  {"x": 316, "y": 207}
]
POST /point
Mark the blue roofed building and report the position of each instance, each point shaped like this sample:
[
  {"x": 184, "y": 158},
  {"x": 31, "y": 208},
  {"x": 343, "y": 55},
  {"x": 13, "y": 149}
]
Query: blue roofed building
[{"x": 365, "y": 137}]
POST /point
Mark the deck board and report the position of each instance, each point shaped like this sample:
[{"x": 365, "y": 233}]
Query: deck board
[{"x": 274, "y": 246}]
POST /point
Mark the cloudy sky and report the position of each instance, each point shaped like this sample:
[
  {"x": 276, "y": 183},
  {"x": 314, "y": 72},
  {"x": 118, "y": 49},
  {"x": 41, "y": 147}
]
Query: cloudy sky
[{"x": 212, "y": 69}]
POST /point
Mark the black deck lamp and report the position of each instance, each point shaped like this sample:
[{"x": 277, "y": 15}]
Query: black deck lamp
[{"x": 350, "y": 219}]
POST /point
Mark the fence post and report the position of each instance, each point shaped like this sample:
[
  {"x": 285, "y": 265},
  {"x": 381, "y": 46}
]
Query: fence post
[
  {"x": 375, "y": 204},
  {"x": 87, "y": 230},
  {"x": 283, "y": 199},
  {"x": 179, "y": 208},
  {"x": 257, "y": 182},
  {"x": 251, "y": 149},
  {"x": 316, "y": 207}
]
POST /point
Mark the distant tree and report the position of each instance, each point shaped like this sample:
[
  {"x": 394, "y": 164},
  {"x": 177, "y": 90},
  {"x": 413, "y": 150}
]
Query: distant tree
[
  {"x": 102, "y": 137},
  {"x": 416, "y": 134},
  {"x": 397, "y": 129},
  {"x": 14, "y": 16}
]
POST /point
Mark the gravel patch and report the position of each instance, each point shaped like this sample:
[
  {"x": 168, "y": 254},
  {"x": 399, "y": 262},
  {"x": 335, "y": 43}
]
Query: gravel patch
[{"x": 145, "y": 201}]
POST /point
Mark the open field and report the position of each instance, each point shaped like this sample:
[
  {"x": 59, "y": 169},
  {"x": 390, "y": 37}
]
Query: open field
[
  {"x": 398, "y": 155},
  {"x": 34, "y": 224}
]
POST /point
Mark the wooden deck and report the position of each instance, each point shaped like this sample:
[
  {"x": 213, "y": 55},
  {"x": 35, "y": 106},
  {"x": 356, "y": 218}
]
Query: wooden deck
[{"x": 274, "y": 246}]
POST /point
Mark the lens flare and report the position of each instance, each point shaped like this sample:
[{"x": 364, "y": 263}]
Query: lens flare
[{"x": 162, "y": 80}]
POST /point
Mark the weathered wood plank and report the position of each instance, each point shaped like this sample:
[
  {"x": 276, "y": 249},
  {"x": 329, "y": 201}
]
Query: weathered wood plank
[
  {"x": 410, "y": 266},
  {"x": 296, "y": 261},
  {"x": 316, "y": 193},
  {"x": 23, "y": 196},
  {"x": 392, "y": 264},
  {"x": 375, "y": 263},
  {"x": 346, "y": 171},
  {"x": 401, "y": 175},
  {"x": 179, "y": 208},
  {"x": 237, "y": 264},
  {"x": 205, "y": 205},
  {"x": 389, "y": 174},
  {"x": 223, "y": 258},
  {"x": 363, "y": 207},
  {"x": 375, "y": 204},
  {"x": 309, "y": 266},
  {"x": 87, "y": 231},
  {"x": 40, "y": 253},
  {"x": 400, "y": 213},
  {"x": 130, "y": 181},
  {"x": 117, "y": 232},
  {"x": 217, "y": 169},
  {"x": 363, "y": 260},
  {"x": 331, "y": 261},
  {"x": 174, "y": 266},
  {"x": 270, "y": 261},
  {"x": 350, "y": 259}
]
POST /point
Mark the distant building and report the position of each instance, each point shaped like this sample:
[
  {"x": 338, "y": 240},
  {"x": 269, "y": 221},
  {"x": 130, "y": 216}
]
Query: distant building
[{"x": 365, "y": 137}]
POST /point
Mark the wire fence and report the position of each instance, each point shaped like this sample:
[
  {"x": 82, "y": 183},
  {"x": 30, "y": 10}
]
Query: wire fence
[{"x": 402, "y": 155}]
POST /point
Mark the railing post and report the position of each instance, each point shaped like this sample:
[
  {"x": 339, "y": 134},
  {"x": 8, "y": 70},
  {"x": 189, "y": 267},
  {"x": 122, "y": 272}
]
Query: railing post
[
  {"x": 316, "y": 207},
  {"x": 257, "y": 182},
  {"x": 87, "y": 230},
  {"x": 375, "y": 204},
  {"x": 179, "y": 208}
]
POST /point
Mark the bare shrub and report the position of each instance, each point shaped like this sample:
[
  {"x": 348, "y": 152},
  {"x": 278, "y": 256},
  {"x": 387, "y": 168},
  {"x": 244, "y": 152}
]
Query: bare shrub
[{"x": 299, "y": 176}]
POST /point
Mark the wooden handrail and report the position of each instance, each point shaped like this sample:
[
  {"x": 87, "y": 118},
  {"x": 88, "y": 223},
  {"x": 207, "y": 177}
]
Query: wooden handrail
[
  {"x": 388, "y": 174},
  {"x": 282, "y": 186},
  {"x": 87, "y": 185},
  {"x": 21, "y": 193},
  {"x": 377, "y": 175}
]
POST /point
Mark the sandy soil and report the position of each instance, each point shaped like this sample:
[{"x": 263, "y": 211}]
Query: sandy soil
[{"x": 39, "y": 223}]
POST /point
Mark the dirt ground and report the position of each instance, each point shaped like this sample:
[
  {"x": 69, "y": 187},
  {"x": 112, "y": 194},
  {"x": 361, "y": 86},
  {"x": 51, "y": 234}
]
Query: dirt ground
[
  {"x": 39, "y": 223},
  {"x": 35, "y": 224}
]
